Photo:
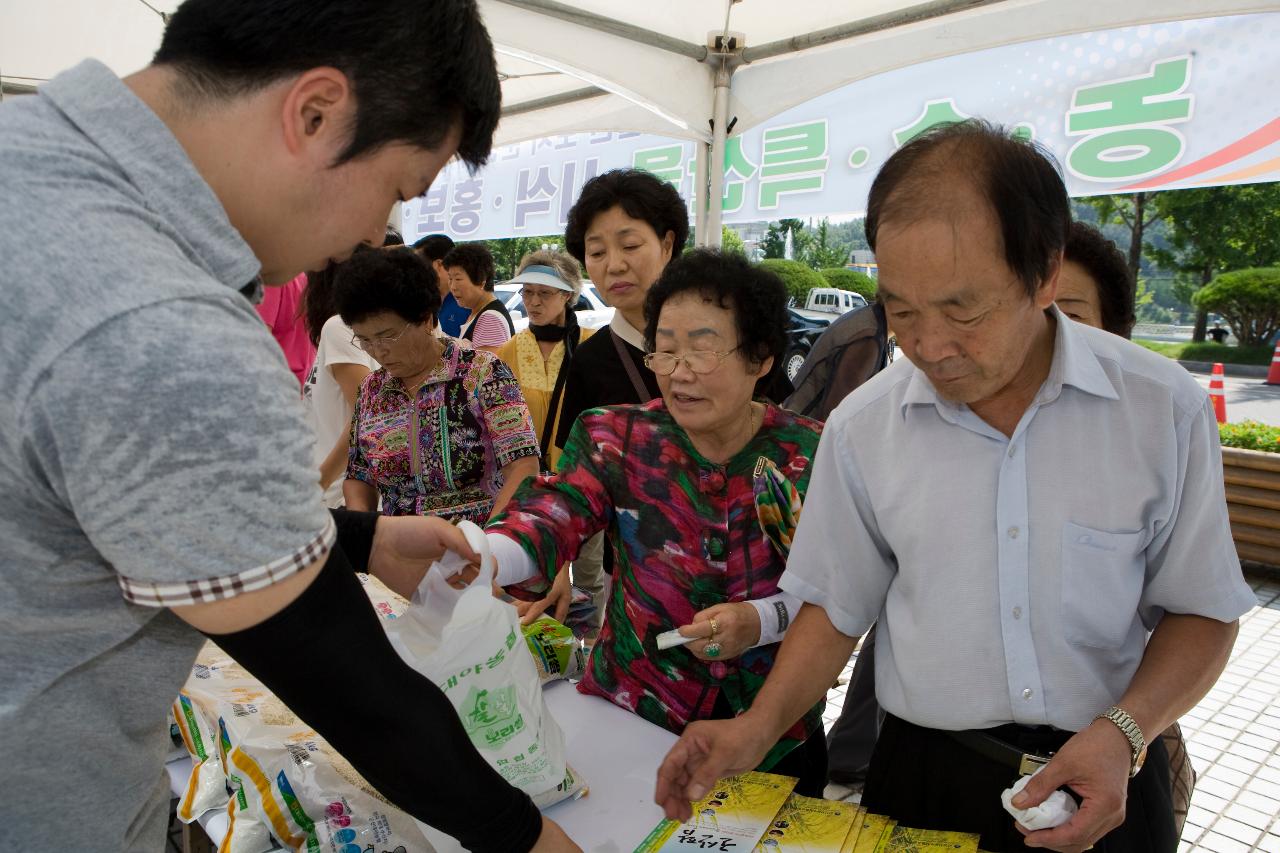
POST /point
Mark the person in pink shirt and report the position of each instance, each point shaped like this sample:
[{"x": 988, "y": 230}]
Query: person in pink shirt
[
  {"x": 470, "y": 270},
  {"x": 281, "y": 310}
]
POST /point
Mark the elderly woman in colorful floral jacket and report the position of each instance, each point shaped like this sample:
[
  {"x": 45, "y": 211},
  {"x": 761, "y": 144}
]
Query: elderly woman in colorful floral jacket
[
  {"x": 438, "y": 429},
  {"x": 698, "y": 493}
]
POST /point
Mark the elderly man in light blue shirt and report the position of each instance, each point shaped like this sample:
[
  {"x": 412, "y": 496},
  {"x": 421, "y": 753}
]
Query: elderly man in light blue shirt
[{"x": 1034, "y": 511}]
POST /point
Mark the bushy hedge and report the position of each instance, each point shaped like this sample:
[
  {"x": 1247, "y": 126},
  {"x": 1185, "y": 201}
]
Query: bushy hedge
[
  {"x": 847, "y": 279},
  {"x": 799, "y": 278},
  {"x": 1249, "y": 300},
  {"x": 1250, "y": 435}
]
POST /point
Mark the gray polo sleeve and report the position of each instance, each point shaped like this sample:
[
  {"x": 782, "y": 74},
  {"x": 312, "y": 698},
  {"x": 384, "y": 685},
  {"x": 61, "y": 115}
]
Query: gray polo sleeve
[
  {"x": 1192, "y": 567},
  {"x": 839, "y": 561},
  {"x": 174, "y": 436}
]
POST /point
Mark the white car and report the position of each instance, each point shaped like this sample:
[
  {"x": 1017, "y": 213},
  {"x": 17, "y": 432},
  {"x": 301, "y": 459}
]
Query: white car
[{"x": 593, "y": 313}]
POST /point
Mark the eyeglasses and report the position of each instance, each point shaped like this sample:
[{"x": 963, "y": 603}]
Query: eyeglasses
[
  {"x": 539, "y": 295},
  {"x": 698, "y": 361},
  {"x": 381, "y": 342}
]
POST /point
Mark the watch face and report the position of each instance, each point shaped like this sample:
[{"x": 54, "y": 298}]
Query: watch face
[{"x": 1138, "y": 762}]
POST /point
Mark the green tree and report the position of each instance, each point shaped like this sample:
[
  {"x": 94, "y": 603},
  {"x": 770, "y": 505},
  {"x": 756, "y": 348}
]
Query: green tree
[
  {"x": 850, "y": 280},
  {"x": 823, "y": 251},
  {"x": 1135, "y": 213},
  {"x": 1215, "y": 230},
  {"x": 1249, "y": 300},
  {"x": 731, "y": 242},
  {"x": 507, "y": 253},
  {"x": 798, "y": 277},
  {"x": 775, "y": 239}
]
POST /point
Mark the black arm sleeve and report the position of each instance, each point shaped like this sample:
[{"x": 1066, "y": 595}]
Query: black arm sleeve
[
  {"x": 410, "y": 745},
  {"x": 355, "y": 535}
]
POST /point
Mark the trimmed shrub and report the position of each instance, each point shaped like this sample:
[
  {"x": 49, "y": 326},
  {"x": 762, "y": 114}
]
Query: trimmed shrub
[
  {"x": 799, "y": 278},
  {"x": 847, "y": 279},
  {"x": 1250, "y": 435},
  {"x": 1249, "y": 300}
]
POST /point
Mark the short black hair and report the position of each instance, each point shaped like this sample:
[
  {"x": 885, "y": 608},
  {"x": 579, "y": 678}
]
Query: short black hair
[
  {"x": 642, "y": 195},
  {"x": 392, "y": 237},
  {"x": 417, "y": 69},
  {"x": 1018, "y": 179},
  {"x": 1109, "y": 269},
  {"x": 756, "y": 297},
  {"x": 318, "y": 299},
  {"x": 394, "y": 280},
  {"x": 475, "y": 260},
  {"x": 434, "y": 247}
]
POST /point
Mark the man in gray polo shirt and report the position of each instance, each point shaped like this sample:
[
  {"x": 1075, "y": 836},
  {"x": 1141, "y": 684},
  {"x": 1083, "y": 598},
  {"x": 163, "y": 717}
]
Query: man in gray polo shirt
[
  {"x": 155, "y": 465},
  {"x": 1031, "y": 511}
]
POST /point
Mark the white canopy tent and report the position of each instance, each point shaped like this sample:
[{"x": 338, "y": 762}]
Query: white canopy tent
[{"x": 689, "y": 69}]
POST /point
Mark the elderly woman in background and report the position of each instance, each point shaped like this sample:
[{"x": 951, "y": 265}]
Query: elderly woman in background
[
  {"x": 439, "y": 429},
  {"x": 697, "y": 492},
  {"x": 1095, "y": 287},
  {"x": 550, "y": 283},
  {"x": 470, "y": 270},
  {"x": 625, "y": 228}
]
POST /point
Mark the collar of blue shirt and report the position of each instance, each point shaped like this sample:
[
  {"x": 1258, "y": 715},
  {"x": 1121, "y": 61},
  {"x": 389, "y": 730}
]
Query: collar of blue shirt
[{"x": 1074, "y": 363}]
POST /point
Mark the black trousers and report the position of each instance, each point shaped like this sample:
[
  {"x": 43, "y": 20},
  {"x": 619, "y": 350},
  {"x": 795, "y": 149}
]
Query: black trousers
[
  {"x": 807, "y": 762},
  {"x": 923, "y": 778}
]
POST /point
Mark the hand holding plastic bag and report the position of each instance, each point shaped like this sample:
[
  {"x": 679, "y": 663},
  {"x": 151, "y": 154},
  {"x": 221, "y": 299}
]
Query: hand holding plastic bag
[{"x": 470, "y": 644}]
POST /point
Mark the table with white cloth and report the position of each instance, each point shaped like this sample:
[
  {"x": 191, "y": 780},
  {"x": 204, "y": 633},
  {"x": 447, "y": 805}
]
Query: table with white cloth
[{"x": 617, "y": 752}]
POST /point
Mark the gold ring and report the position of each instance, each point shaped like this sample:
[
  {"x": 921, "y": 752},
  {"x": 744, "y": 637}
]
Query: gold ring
[{"x": 715, "y": 628}]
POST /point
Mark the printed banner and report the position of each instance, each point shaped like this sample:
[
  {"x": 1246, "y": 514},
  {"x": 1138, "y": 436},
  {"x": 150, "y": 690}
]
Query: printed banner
[{"x": 1166, "y": 106}]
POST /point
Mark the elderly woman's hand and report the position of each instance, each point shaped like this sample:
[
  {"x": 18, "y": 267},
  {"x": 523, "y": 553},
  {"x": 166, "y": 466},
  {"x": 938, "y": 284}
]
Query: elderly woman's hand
[
  {"x": 737, "y": 628},
  {"x": 557, "y": 600}
]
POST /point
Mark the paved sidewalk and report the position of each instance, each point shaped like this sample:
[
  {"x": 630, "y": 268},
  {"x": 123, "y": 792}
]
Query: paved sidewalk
[{"x": 1233, "y": 737}]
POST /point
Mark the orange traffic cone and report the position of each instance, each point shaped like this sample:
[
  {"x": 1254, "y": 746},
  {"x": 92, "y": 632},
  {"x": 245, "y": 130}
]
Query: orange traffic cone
[
  {"x": 1273, "y": 375},
  {"x": 1217, "y": 395}
]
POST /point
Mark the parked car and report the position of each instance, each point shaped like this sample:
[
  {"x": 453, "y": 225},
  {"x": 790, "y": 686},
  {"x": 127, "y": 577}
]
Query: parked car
[
  {"x": 593, "y": 313},
  {"x": 833, "y": 300},
  {"x": 805, "y": 328}
]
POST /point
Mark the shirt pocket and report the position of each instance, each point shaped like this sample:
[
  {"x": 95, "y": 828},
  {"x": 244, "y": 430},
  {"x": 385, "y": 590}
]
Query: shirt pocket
[{"x": 1102, "y": 577}]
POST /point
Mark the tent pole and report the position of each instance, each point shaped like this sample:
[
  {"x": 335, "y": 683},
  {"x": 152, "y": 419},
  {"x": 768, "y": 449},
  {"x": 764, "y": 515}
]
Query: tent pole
[
  {"x": 720, "y": 124},
  {"x": 699, "y": 193}
]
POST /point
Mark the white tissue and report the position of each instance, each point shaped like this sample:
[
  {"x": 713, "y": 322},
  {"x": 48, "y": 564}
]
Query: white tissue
[
  {"x": 671, "y": 639},
  {"x": 1056, "y": 809}
]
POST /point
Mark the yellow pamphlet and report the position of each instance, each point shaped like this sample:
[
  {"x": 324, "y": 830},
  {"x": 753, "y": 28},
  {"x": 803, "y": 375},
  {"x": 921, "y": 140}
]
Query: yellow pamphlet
[
  {"x": 875, "y": 828},
  {"x": 732, "y": 816},
  {"x": 810, "y": 825},
  {"x": 906, "y": 840}
]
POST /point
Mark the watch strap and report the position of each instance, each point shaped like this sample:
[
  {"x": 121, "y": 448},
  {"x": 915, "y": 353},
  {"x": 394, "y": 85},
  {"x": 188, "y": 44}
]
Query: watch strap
[{"x": 1128, "y": 726}]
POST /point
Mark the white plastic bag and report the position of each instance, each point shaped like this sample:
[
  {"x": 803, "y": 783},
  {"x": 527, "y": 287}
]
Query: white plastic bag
[{"x": 471, "y": 645}]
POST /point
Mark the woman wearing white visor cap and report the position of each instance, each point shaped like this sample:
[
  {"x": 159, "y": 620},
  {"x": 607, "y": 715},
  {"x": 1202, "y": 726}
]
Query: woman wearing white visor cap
[{"x": 538, "y": 356}]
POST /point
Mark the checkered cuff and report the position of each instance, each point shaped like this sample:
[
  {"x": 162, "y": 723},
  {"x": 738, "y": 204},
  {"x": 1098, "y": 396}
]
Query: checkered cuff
[{"x": 180, "y": 593}]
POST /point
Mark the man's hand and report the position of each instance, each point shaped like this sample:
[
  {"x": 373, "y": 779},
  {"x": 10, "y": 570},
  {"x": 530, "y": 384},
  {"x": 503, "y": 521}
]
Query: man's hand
[
  {"x": 1094, "y": 764},
  {"x": 553, "y": 839},
  {"x": 559, "y": 598},
  {"x": 706, "y": 753},
  {"x": 405, "y": 546},
  {"x": 737, "y": 629}
]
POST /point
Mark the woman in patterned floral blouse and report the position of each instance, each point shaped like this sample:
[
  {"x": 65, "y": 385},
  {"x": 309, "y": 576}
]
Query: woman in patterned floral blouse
[
  {"x": 438, "y": 429},
  {"x": 697, "y": 492}
]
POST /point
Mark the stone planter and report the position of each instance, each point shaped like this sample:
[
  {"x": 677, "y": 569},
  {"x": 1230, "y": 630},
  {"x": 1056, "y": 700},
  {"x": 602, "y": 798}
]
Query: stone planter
[{"x": 1253, "y": 503}]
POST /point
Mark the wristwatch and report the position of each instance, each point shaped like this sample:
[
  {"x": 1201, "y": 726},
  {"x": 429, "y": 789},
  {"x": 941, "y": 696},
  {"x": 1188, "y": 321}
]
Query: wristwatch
[{"x": 1129, "y": 728}]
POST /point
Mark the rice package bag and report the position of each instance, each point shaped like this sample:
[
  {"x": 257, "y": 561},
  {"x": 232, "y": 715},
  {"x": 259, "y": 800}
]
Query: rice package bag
[
  {"x": 207, "y": 787},
  {"x": 287, "y": 782},
  {"x": 310, "y": 798},
  {"x": 557, "y": 653}
]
